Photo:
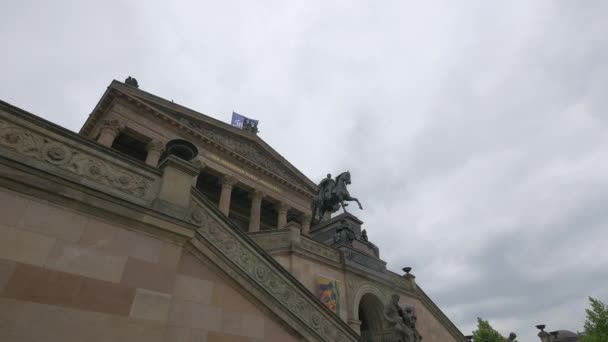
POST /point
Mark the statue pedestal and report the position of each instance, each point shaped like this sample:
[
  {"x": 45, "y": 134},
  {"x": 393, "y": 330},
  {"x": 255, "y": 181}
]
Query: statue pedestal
[
  {"x": 343, "y": 232},
  {"x": 325, "y": 230}
]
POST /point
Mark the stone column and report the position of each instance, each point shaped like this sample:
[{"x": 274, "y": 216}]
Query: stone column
[
  {"x": 108, "y": 132},
  {"x": 306, "y": 217},
  {"x": 200, "y": 166},
  {"x": 282, "y": 209},
  {"x": 155, "y": 149},
  {"x": 256, "y": 206},
  {"x": 227, "y": 183},
  {"x": 294, "y": 234}
]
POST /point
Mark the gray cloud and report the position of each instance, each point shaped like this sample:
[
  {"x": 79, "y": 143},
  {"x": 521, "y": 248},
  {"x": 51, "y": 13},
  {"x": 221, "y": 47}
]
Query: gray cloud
[{"x": 475, "y": 133}]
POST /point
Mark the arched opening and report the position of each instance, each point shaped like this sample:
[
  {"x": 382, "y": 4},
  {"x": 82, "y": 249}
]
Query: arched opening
[{"x": 371, "y": 315}]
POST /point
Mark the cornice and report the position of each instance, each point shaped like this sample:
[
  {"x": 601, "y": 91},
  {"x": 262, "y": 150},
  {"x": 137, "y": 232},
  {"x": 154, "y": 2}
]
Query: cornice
[{"x": 157, "y": 100}]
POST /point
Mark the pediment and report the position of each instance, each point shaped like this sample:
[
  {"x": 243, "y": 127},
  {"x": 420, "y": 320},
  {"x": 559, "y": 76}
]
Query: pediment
[{"x": 248, "y": 145}]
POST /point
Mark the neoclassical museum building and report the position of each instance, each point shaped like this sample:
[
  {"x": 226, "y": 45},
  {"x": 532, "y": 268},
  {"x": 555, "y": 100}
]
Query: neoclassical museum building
[{"x": 158, "y": 223}]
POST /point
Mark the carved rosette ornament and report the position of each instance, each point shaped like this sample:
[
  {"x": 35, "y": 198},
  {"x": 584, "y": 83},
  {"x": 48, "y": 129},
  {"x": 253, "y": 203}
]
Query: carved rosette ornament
[
  {"x": 196, "y": 216},
  {"x": 70, "y": 159},
  {"x": 57, "y": 154}
]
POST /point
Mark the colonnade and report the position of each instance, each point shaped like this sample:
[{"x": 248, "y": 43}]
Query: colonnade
[{"x": 109, "y": 131}]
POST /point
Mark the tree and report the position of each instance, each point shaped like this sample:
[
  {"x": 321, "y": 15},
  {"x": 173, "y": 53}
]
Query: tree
[
  {"x": 485, "y": 332},
  {"x": 596, "y": 324}
]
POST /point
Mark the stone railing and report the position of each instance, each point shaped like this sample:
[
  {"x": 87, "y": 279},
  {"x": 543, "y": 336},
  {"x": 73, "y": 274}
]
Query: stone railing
[
  {"x": 247, "y": 262},
  {"x": 30, "y": 140},
  {"x": 283, "y": 238}
]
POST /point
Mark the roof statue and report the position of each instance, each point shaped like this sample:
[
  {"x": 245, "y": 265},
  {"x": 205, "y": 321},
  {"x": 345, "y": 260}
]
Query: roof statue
[
  {"x": 250, "y": 126},
  {"x": 331, "y": 196},
  {"x": 132, "y": 82}
]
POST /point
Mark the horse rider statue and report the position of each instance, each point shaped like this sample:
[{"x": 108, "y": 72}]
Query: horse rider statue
[{"x": 331, "y": 196}]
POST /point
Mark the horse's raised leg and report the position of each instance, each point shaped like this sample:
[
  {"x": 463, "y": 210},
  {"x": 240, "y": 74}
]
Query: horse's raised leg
[
  {"x": 354, "y": 199},
  {"x": 359, "y": 203},
  {"x": 343, "y": 206}
]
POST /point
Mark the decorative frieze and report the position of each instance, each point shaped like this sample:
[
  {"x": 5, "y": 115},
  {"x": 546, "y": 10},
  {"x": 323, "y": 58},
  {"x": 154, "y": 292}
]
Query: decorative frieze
[{"x": 74, "y": 160}]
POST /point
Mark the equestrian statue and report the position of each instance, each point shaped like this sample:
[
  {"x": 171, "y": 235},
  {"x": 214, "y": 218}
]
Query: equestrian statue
[{"x": 331, "y": 196}]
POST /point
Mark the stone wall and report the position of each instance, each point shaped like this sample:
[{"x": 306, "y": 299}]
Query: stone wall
[
  {"x": 306, "y": 263},
  {"x": 66, "y": 276}
]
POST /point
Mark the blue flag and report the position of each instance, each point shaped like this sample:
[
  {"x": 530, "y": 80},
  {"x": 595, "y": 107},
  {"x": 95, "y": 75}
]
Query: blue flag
[{"x": 238, "y": 119}]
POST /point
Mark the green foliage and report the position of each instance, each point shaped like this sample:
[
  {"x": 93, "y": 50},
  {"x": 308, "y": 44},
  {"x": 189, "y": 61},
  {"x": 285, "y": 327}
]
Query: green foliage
[
  {"x": 485, "y": 332},
  {"x": 596, "y": 324}
]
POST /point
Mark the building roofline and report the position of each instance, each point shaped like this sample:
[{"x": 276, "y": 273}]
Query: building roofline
[{"x": 142, "y": 95}]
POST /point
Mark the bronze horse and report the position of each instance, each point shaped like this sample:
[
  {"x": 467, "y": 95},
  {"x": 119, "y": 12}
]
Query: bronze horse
[{"x": 331, "y": 200}]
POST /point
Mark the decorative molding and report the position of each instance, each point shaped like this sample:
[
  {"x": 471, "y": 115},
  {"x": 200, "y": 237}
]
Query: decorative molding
[
  {"x": 282, "y": 207},
  {"x": 358, "y": 288},
  {"x": 277, "y": 239},
  {"x": 113, "y": 125},
  {"x": 271, "y": 240},
  {"x": 181, "y": 116},
  {"x": 257, "y": 195},
  {"x": 243, "y": 146},
  {"x": 268, "y": 276},
  {"x": 76, "y": 161},
  {"x": 319, "y": 249},
  {"x": 228, "y": 181}
]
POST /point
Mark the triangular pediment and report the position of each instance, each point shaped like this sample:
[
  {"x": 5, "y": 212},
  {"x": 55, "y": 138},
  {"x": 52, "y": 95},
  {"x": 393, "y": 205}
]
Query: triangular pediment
[{"x": 245, "y": 144}]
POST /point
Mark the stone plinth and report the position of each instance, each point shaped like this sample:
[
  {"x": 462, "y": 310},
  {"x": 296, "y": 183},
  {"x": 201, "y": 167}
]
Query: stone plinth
[
  {"x": 355, "y": 249},
  {"x": 324, "y": 231}
]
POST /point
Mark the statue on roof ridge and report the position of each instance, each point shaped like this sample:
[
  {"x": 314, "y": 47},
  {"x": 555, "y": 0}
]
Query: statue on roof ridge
[
  {"x": 132, "y": 82},
  {"x": 250, "y": 126}
]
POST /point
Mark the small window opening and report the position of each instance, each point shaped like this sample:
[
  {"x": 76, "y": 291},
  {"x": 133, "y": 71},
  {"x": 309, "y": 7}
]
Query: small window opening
[{"x": 131, "y": 144}]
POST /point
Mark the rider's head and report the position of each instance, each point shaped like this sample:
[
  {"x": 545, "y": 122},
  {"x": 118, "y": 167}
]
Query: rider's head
[{"x": 329, "y": 175}]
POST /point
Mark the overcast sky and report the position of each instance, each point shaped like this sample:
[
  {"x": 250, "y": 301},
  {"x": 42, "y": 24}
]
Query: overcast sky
[{"x": 475, "y": 132}]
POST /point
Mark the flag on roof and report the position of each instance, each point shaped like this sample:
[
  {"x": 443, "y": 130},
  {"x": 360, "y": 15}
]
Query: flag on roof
[{"x": 244, "y": 122}]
